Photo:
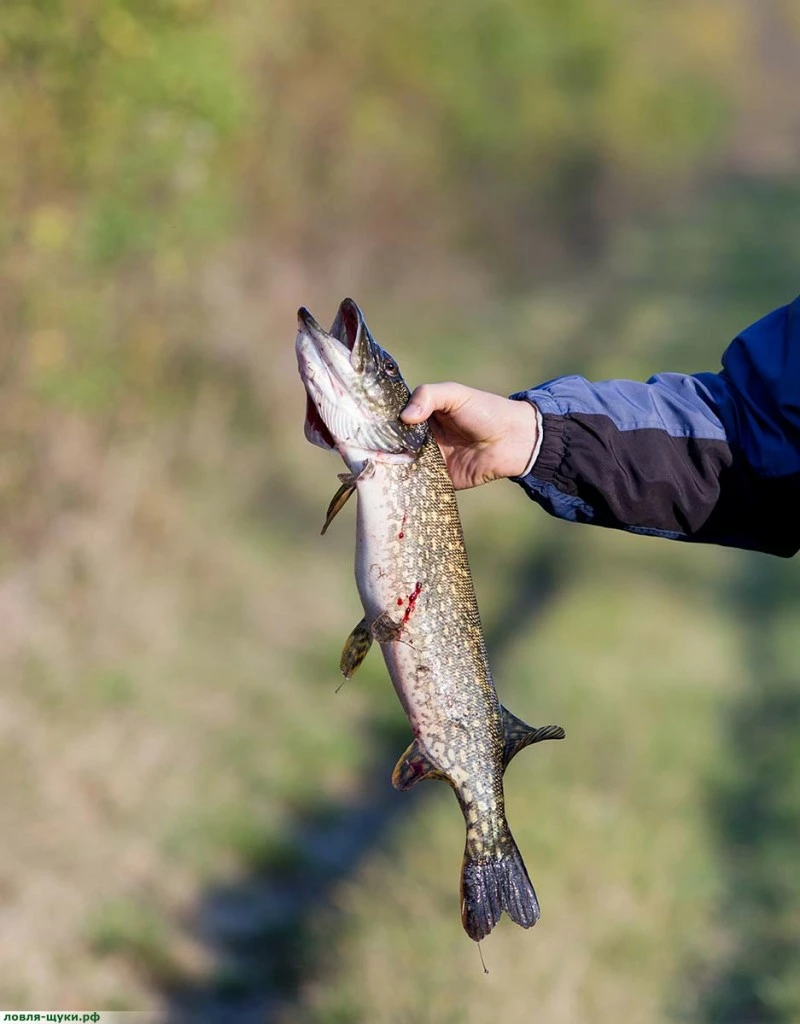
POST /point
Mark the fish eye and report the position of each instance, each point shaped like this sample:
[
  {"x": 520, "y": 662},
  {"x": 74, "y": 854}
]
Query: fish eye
[{"x": 390, "y": 366}]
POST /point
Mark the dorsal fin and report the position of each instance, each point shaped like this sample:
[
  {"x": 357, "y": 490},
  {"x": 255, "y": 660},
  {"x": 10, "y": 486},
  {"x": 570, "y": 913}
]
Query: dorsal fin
[{"x": 519, "y": 734}]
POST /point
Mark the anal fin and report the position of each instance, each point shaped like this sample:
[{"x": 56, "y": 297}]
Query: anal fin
[
  {"x": 519, "y": 734},
  {"x": 414, "y": 766}
]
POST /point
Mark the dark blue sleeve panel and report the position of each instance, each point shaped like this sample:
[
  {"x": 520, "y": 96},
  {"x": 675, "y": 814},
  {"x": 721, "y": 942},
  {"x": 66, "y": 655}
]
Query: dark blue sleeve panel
[{"x": 712, "y": 457}]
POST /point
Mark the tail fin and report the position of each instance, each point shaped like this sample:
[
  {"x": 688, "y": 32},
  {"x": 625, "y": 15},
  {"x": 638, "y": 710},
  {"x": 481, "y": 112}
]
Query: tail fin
[{"x": 492, "y": 883}]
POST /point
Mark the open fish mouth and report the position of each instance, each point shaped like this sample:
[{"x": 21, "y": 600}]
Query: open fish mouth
[
  {"x": 314, "y": 427},
  {"x": 322, "y": 358}
]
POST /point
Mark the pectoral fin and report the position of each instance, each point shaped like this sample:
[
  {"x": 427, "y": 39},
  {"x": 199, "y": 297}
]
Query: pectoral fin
[
  {"x": 413, "y": 767},
  {"x": 519, "y": 734},
  {"x": 338, "y": 502},
  {"x": 349, "y": 481},
  {"x": 355, "y": 649}
]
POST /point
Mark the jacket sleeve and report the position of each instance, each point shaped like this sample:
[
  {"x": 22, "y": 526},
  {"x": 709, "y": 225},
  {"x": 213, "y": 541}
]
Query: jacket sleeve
[{"x": 711, "y": 457}]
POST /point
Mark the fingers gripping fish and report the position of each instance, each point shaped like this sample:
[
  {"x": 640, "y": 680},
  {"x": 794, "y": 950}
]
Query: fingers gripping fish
[{"x": 419, "y": 603}]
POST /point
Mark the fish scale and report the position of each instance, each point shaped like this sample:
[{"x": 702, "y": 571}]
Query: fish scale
[
  {"x": 438, "y": 665},
  {"x": 416, "y": 588}
]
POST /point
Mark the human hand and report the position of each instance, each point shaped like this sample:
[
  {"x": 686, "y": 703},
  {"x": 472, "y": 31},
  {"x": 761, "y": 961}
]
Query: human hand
[{"x": 482, "y": 436}]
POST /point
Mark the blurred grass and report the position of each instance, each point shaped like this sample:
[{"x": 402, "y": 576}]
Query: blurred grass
[
  {"x": 177, "y": 177},
  {"x": 611, "y": 823}
]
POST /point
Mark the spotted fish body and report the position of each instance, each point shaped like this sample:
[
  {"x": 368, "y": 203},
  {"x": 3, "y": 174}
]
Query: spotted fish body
[
  {"x": 411, "y": 561},
  {"x": 419, "y": 604}
]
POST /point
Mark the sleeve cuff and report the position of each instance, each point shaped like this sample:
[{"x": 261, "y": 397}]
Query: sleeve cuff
[
  {"x": 549, "y": 450},
  {"x": 539, "y": 439}
]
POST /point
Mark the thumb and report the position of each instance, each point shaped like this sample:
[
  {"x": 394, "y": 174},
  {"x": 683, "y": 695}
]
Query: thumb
[{"x": 430, "y": 398}]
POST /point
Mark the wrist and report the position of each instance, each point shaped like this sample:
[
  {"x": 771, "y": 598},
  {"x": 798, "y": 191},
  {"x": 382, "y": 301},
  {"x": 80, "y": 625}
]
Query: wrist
[{"x": 525, "y": 439}]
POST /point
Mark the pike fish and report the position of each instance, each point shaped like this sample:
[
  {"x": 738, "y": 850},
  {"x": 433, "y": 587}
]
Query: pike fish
[{"x": 419, "y": 603}]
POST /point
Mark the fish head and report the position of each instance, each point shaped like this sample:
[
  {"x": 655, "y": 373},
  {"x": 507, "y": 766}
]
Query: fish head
[{"x": 354, "y": 391}]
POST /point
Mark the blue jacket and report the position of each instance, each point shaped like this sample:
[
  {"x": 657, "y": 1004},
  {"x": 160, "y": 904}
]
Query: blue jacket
[{"x": 712, "y": 457}]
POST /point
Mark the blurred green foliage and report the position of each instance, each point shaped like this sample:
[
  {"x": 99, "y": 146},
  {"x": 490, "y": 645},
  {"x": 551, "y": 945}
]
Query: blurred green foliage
[
  {"x": 512, "y": 127},
  {"x": 114, "y": 114},
  {"x": 136, "y": 132}
]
